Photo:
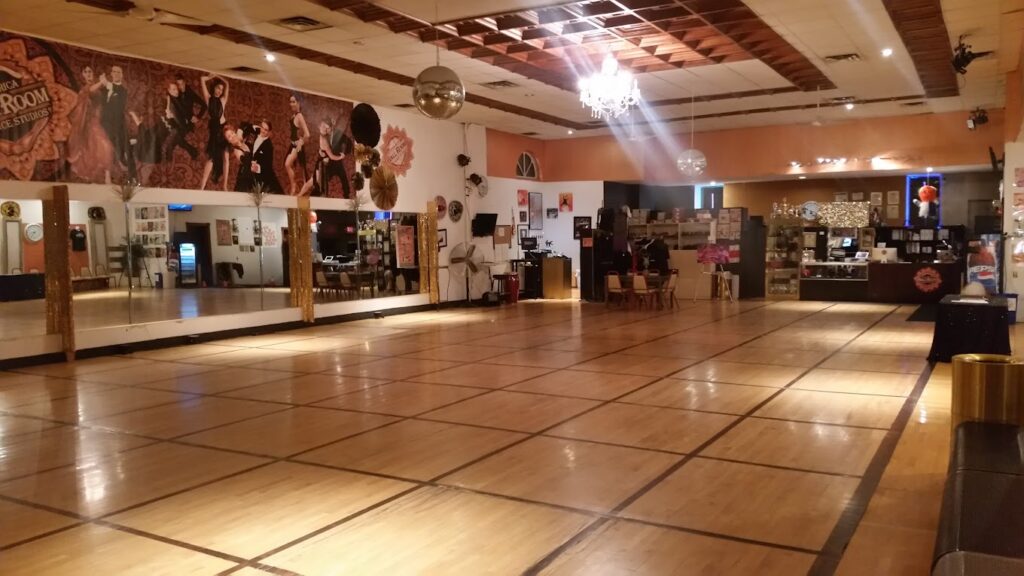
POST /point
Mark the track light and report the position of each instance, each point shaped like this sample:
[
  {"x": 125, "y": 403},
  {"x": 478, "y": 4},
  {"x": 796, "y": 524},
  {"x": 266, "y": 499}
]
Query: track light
[
  {"x": 962, "y": 55},
  {"x": 270, "y": 57},
  {"x": 978, "y": 117}
]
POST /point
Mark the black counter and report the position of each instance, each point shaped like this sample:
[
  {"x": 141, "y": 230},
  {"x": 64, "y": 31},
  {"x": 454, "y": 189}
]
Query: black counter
[
  {"x": 896, "y": 283},
  {"x": 22, "y": 287}
]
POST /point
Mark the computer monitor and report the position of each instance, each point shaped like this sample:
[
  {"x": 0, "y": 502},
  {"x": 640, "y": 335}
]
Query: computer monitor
[
  {"x": 528, "y": 243},
  {"x": 847, "y": 242},
  {"x": 884, "y": 255}
]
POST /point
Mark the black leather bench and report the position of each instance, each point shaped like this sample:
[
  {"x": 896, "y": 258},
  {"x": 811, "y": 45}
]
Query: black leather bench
[{"x": 981, "y": 529}]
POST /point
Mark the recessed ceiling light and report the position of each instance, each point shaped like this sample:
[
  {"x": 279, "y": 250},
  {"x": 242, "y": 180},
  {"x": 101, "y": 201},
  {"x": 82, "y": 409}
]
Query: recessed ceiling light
[
  {"x": 886, "y": 52},
  {"x": 930, "y": 169},
  {"x": 802, "y": 177},
  {"x": 713, "y": 183},
  {"x": 849, "y": 105},
  {"x": 570, "y": 132},
  {"x": 270, "y": 57}
]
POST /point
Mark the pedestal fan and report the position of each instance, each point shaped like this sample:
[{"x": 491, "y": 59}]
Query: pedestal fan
[{"x": 466, "y": 262}]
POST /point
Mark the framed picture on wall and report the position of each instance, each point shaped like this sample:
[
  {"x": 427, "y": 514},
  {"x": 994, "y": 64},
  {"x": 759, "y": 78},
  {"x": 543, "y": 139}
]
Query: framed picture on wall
[
  {"x": 579, "y": 225},
  {"x": 842, "y": 197},
  {"x": 876, "y": 198},
  {"x": 524, "y": 216},
  {"x": 892, "y": 212},
  {"x": 503, "y": 235},
  {"x": 442, "y": 238},
  {"x": 893, "y": 197},
  {"x": 857, "y": 197},
  {"x": 552, "y": 213},
  {"x": 523, "y": 232},
  {"x": 536, "y": 211}
]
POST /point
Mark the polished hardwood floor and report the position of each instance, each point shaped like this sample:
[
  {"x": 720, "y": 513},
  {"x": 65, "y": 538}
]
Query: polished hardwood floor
[{"x": 543, "y": 438}]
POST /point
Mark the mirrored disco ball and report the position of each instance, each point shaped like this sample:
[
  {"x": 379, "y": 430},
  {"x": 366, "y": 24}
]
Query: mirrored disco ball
[
  {"x": 692, "y": 162},
  {"x": 438, "y": 92}
]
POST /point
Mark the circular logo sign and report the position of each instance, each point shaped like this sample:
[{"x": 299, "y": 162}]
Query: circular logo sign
[
  {"x": 396, "y": 150},
  {"x": 927, "y": 280}
]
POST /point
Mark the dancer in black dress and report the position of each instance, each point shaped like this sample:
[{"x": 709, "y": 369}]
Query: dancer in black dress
[
  {"x": 296, "y": 153},
  {"x": 334, "y": 146},
  {"x": 215, "y": 90},
  {"x": 241, "y": 142}
]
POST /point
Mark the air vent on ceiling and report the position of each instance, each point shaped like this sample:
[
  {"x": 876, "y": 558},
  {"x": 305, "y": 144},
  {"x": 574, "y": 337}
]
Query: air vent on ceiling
[
  {"x": 499, "y": 84},
  {"x": 842, "y": 100},
  {"x": 913, "y": 104},
  {"x": 851, "y": 57},
  {"x": 530, "y": 133},
  {"x": 301, "y": 24},
  {"x": 404, "y": 105},
  {"x": 244, "y": 70}
]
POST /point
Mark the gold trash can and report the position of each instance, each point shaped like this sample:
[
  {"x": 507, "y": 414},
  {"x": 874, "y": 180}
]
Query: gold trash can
[{"x": 988, "y": 388}]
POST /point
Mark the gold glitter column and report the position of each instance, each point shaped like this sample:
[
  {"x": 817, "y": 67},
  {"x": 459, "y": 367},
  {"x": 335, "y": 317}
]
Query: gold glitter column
[
  {"x": 60, "y": 316},
  {"x": 300, "y": 259},
  {"x": 428, "y": 253}
]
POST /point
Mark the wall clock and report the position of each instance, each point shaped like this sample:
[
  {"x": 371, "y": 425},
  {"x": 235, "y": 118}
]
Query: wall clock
[
  {"x": 809, "y": 210},
  {"x": 455, "y": 210},
  {"x": 97, "y": 213},
  {"x": 34, "y": 233}
]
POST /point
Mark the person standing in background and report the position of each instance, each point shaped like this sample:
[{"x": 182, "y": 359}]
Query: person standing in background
[
  {"x": 215, "y": 91},
  {"x": 297, "y": 152},
  {"x": 113, "y": 114}
]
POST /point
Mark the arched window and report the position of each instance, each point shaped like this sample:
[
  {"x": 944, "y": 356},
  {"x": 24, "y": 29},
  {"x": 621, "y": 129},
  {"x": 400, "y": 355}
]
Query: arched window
[{"x": 526, "y": 166}]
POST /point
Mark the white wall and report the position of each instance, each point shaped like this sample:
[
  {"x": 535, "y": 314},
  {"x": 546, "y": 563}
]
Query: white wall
[
  {"x": 502, "y": 200},
  {"x": 1013, "y": 273}
]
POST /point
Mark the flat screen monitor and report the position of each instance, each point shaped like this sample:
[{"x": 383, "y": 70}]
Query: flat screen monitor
[
  {"x": 483, "y": 225},
  {"x": 528, "y": 243},
  {"x": 847, "y": 242},
  {"x": 179, "y": 207}
]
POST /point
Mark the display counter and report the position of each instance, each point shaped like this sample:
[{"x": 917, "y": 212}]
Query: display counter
[{"x": 898, "y": 282}]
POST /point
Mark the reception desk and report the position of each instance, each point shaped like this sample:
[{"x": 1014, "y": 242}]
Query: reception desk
[{"x": 896, "y": 283}]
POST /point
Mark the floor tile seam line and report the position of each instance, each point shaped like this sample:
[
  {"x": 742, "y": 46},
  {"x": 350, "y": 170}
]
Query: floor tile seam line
[
  {"x": 21, "y": 370},
  {"x": 720, "y": 434},
  {"x": 284, "y": 408},
  {"x": 331, "y": 526},
  {"x": 42, "y": 536},
  {"x": 571, "y": 542},
  {"x": 850, "y": 393},
  {"x": 819, "y": 423},
  {"x": 615, "y": 444},
  {"x": 103, "y": 456},
  {"x": 846, "y": 526},
  {"x": 711, "y": 534},
  {"x": 779, "y": 467},
  {"x": 80, "y": 518},
  {"x": 259, "y": 566},
  {"x": 148, "y": 385},
  {"x": 169, "y": 541}
]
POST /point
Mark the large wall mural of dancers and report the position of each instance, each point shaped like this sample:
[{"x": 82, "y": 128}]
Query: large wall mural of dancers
[{"x": 69, "y": 114}]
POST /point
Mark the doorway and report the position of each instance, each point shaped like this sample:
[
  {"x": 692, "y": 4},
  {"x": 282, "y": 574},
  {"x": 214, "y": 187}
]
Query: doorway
[
  {"x": 285, "y": 258},
  {"x": 199, "y": 234}
]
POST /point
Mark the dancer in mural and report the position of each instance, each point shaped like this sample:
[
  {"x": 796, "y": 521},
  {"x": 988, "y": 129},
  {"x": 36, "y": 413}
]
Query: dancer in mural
[
  {"x": 113, "y": 114},
  {"x": 215, "y": 91},
  {"x": 263, "y": 160},
  {"x": 89, "y": 150},
  {"x": 241, "y": 141},
  {"x": 334, "y": 146},
  {"x": 145, "y": 145},
  {"x": 297, "y": 152},
  {"x": 184, "y": 109}
]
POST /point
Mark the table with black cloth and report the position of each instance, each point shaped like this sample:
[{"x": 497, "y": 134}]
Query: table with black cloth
[{"x": 962, "y": 328}]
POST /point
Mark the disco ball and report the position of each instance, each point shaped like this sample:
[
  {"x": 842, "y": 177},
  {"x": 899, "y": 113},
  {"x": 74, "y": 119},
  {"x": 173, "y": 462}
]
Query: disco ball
[
  {"x": 692, "y": 162},
  {"x": 438, "y": 92}
]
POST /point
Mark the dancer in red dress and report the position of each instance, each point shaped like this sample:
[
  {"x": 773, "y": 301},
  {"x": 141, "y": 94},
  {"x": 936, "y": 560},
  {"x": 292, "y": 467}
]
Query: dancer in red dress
[{"x": 90, "y": 152}]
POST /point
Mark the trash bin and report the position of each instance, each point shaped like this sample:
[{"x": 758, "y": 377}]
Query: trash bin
[
  {"x": 159, "y": 280},
  {"x": 988, "y": 388}
]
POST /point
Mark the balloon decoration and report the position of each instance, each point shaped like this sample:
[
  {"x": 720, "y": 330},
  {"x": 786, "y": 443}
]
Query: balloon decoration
[
  {"x": 438, "y": 92},
  {"x": 442, "y": 206},
  {"x": 928, "y": 193},
  {"x": 384, "y": 188}
]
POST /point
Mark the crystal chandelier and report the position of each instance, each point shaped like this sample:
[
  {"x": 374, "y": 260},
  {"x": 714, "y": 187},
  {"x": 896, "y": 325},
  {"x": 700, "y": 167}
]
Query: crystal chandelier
[
  {"x": 692, "y": 162},
  {"x": 610, "y": 92}
]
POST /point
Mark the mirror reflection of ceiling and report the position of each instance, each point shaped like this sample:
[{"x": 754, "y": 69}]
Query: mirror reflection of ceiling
[{"x": 746, "y": 63}]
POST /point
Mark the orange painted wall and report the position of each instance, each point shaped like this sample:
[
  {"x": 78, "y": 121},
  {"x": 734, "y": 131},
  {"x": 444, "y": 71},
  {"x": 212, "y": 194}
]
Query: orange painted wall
[
  {"x": 763, "y": 152},
  {"x": 1014, "y": 105}
]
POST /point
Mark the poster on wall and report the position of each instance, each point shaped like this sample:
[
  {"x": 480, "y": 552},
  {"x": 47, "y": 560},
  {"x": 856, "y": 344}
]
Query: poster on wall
[
  {"x": 892, "y": 197},
  {"x": 536, "y": 211},
  {"x": 270, "y": 236},
  {"x": 876, "y": 198},
  {"x": 522, "y": 197},
  {"x": 405, "y": 247},
  {"x": 552, "y": 213},
  {"x": 565, "y": 202},
  {"x": 223, "y": 232},
  {"x": 396, "y": 150},
  {"x": 503, "y": 235},
  {"x": 580, "y": 224},
  {"x": 1018, "y": 177},
  {"x": 83, "y": 116}
]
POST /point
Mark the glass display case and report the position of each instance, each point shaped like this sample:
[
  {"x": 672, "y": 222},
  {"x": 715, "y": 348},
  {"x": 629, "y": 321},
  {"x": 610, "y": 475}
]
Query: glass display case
[
  {"x": 834, "y": 281},
  {"x": 782, "y": 258},
  {"x": 848, "y": 271}
]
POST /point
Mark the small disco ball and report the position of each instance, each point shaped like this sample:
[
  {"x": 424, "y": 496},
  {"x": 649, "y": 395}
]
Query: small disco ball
[
  {"x": 438, "y": 92},
  {"x": 692, "y": 162}
]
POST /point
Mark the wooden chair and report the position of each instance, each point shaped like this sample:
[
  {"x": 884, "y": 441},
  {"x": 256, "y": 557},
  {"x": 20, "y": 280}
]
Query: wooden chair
[
  {"x": 347, "y": 288},
  {"x": 323, "y": 286},
  {"x": 668, "y": 291},
  {"x": 614, "y": 289},
  {"x": 643, "y": 294}
]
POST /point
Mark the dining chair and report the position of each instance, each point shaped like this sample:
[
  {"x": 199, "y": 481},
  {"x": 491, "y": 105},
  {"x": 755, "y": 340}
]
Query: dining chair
[
  {"x": 641, "y": 292},
  {"x": 668, "y": 291},
  {"x": 613, "y": 288},
  {"x": 346, "y": 286},
  {"x": 322, "y": 285}
]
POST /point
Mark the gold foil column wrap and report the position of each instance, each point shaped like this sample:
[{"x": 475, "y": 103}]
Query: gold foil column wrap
[
  {"x": 988, "y": 388},
  {"x": 300, "y": 259},
  {"x": 429, "y": 253},
  {"x": 60, "y": 314}
]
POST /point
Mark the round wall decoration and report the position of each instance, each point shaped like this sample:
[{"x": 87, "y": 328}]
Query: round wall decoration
[
  {"x": 97, "y": 213},
  {"x": 442, "y": 206},
  {"x": 455, "y": 210},
  {"x": 384, "y": 188},
  {"x": 396, "y": 150},
  {"x": 927, "y": 279},
  {"x": 365, "y": 125},
  {"x": 10, "y": 210}
]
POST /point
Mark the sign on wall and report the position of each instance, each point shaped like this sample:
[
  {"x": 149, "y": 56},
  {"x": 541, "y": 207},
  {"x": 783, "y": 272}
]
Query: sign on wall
[
  {"x": 396, "y": 150},
  {"x": 69, "y": 114}
]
